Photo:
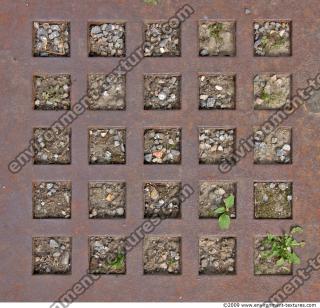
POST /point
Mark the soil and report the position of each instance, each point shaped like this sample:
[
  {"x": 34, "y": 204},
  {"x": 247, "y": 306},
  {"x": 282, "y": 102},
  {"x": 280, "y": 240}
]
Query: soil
[
  {"x": 217, "y": 38},
  {"x": 217, "y": 92},
  {"x": 52, "y": 146},
  {"x": 162, "y": 92},
  {"x": 272, "y": 38},
  {"x": 105, "y": 94},
  {"x": 272, "y": 91},
  {"x": 51, "y": 255},
  {"x": 51, "y": 39},
  {"x": 51, "y": 200},
  {"x": 162, "y": 255},
  {"x": 107, "y": 40},
  {"x": 162, "y": 200},
  {"x": 275, "y": 148},
  {"x": 216, "y": 145},
  {"x": 107, "y": 255},
  {"x": 107, "y": 200},
  {"x": 162, "y": 146},
  {"x": 273, "y": 200},
  {"x": 217, "y": 255},
  {"x": 212, "y": 195},
  {"x": 159, "y": 42},
  {"x": 52, "y": 92},
  {"x": 107, "y": 146},
  {"x": 268, "y": 266}
]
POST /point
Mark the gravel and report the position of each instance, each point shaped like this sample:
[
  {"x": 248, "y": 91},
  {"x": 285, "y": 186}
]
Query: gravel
[
  {"x": 158, "y": 41},
  {"x": 272, "y": 38},
  {"x": 51, "y": 39},
  {"x": 216, "y": 92},
  {"x": 107, "y": 40},
  {"x": 215, "y": 145}
]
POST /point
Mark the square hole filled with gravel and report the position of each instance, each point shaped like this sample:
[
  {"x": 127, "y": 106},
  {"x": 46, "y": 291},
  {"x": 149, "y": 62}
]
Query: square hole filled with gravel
[
  {"x": 217, "y": 38},
  {"x": 217, "y": 91},
  {"x": 212, "y": 195},
  {"x": 51, "y": 199},
  {"x": 162, "y": 255},
  {"x": 52, "y": 92},
  {"x": 272, "y": 91},
  {"x": 216, "y": 145},
  {"x": 162, "y": 199},
  {"x": 265, "y": 265},
  {"x": 107, "y": 146},
  {"x": 51, "y": 255},
  {"x": 273, "y": 148},
  {"x": 272, "y": 200},
  {"x": 217, "y": 255},
  {"x": 158, "y": 41},
  {"x": 272, "y": 38},
  {"x": 52, "y": 146},
  {"x": 107, "y": 255},
  {"x": 162, "y": 146},
  {"x": 51, "y": 39},
  {"x": 162, "y": 92},
  {"x": 107, "y": 40},
  {"x": 105, "y": 93},
  {"x": 107, "y": 199}
]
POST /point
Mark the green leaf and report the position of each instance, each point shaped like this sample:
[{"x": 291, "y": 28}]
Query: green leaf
[
  {"x": 296, "y": 229},
  {"x": 229, "y": 201},
  {"x": 219, "y": 210},
  {"x": 294, "y": 258},
  {"x": 280, "y": 262},
  {"x": 224, "y": 221}
]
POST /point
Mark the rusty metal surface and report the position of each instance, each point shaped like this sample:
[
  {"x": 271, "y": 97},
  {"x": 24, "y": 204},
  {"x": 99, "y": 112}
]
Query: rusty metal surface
[{"x": 17, "y": 66}]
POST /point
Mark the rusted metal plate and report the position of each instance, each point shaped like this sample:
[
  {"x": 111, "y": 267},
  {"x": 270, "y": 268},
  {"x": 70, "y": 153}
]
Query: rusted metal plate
[{"x": 17, "y": 67}]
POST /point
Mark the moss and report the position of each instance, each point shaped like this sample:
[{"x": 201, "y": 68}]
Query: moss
[
  {"x": 152, "y": 2},
  {"x": 215, "y": 32}
]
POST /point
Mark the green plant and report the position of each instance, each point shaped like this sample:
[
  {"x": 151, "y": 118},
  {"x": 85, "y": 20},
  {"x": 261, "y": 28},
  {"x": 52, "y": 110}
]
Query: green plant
[
  {"x": 152, "y": 2},
  {"x": 223, "y": 212},
  {"x": 118, "y": 262},
  {"x": 281, "y": 247},
  {"x": 215, "y": 31}
]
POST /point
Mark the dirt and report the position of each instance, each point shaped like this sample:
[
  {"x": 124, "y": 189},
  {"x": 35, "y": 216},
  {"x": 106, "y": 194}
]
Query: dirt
[
  {"x": 107, "y": 255},
  {"x": 52, "y": 92},
  {"x": 162, "y": 146},
  {"x": 273, "y": 200},
  {"x": 272, "y": 91},
  {"x": 51, "y": 39},
  {"x": 268, "y": 266},
  {"x": 217, "y": 38},
  {"x": 159, "y": 42},
  {"x": 162, "y": 200},
  {"x": 217, "y": 255},
  {"x": 275, "y": 148},
  {"x": 52, "y": 146},
  {"x": 107, "y": 146},
  {"x": 51, "y": 199},
  {"x": 51, "y": 255},
  {"x": 107, "y": 40},
  {"x": 272, "y": 38},
  {"x": 162, "y": 92},
  {"x": 107, "y": 200},
  {"x": 212, "y": 195},
  {"x": 106, "y": 94},
  {"x": 217, "y": 92},
  {"x": 162, "y": 255},
  {"x": 216, "y": 145}
]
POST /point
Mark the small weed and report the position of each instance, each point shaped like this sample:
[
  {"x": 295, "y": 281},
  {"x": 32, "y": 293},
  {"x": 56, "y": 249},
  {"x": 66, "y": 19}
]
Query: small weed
[
  {"x": 152, "y": 2},
  {"x": 224, "y": 212},
  {"x": 281, "y": 247},
  {"x": 118, "y": 262},
  {"x": 215, "y": 31}
]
